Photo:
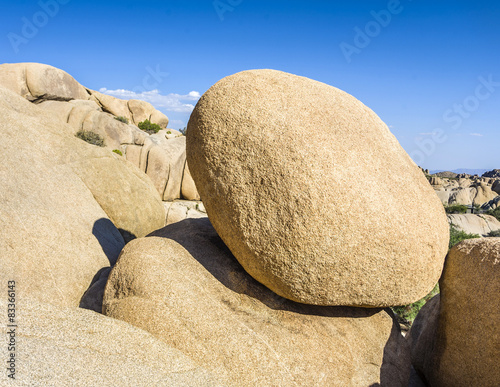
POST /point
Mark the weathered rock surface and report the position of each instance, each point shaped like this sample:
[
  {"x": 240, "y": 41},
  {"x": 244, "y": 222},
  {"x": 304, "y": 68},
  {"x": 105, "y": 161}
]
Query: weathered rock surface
[
  {"x": 492, "y": 204},
  {"x": 184, "y": 209},
  {"x": 422, "y": 335},
  {"x": 282, "y": 165},
  {"x": 461, "y": 346},
  {"x": 475, "y": 224},
  {"x": 60, "y": 94},
  {"x": 76, "y": 347},
  {"x": 126, "y": 195},
  {"x": 35, "y": 81},
  {"x": 183, "y": 285},
  {"x": 56, "y": 227}
]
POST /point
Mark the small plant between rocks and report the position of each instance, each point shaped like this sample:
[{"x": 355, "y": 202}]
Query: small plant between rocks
[
  {"x": 494, "y": 234},
  {"x": 90, "y": 137},
  {"x": 122, "y": 119},
  {"x": 406, "y": 314},
  {"x": 149, "y": 127},
  {"x": 118, "y": 152},
  {"x": 456, "y": 209}
]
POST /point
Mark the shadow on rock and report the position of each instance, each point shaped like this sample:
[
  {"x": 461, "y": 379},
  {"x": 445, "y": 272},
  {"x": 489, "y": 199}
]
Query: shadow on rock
[
  {"x": 109, "y": 238},
  {"x": 201, "y": 240}
]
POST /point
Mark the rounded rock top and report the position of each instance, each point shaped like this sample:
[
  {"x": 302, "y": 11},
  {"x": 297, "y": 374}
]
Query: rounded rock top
[{"x": 313, "y": 194}]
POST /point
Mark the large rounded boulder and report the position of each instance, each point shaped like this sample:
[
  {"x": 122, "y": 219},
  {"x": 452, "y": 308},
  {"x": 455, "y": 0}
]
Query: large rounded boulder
[{"x": 311, "y": 192}]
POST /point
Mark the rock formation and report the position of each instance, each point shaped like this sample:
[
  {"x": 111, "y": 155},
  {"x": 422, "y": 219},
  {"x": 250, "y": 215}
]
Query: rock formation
[
  {"x": 83, "y": 109},
  {"x": 475, "y": 224},
  {"x": 282, "y": 164},
  {"x": 76, "y": 347},
  {"x": 184, "y": 286},
  {"x": 456, "y": 341},
  {"x": 63, "y": 202}
]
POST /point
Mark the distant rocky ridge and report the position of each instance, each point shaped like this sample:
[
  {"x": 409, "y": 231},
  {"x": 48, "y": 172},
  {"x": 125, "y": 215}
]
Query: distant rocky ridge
[
  {"x": 467, "y": 190},
  {"x": 461, "y": 171}
]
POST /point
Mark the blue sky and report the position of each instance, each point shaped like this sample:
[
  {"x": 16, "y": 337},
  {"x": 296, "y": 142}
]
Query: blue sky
[{"x": 429, "y": 69}]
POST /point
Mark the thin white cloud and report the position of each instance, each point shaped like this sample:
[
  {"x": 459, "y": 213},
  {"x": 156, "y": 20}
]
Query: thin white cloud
[
  {"x": 428, "y": 134},
  {"x": 476, "y": 134},
  {"x": 177, "y": 123},
  {"x": 170, "y": 102}
]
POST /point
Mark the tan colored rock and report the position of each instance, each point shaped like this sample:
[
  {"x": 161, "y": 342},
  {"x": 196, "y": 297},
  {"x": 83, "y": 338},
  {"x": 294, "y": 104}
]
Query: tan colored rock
[
  {"x": 444, "y": 196},
  {"x": 159, "y": 118},
  {"x": 422, "y": 335},
  {"x": 140, "y": 110},
  {"x": 133, "y": 154},
  {"x": 436, "y": 181},
  {"x": 165, "y": 164},
  {"x": 466, "y": 347},
  {"x": 77, "y": 347},
  {"x": 188, "y": 188},
  {"x": 277, "y": 160},
  {"x": 117, "y": 107},
  {"x": 484, "y": 194},
  {"x": 464, "y": 196},
  {"x": 188, "y": 290},
  {"x": 496, "y": 187},
  {"x": 13, "y": 77},
  {"x": 55, "y": 236},
  {"x": 126, "y": 195},
  {"x": 60, "y": 109},
  {"x": 47, "y": 82},
  {"x": 492, "y": 204},
  {"x": 114, "y": 132},
  {"x": 179, "y": 210},
  {"x": 475, "y": 224},
  {"x": 464, "y": 183}
]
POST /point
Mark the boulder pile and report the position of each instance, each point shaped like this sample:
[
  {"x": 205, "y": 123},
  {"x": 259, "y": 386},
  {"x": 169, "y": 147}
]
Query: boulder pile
[
  {"x": 313, "y": 221},
  {"x": 87, "y": 110}
]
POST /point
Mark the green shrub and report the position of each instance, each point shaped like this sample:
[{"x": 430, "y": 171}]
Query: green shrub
[
  {"x": 183, "y": 131},
  {"x": 407, "y": 313},
  {"x": 118, "y": 152},
  {"x": 456, "y": 209},
  {"x": 457, "y": 236},
  {"x": 149, "y": 127},
  {"x": 169, "y": 132},
  {"x": 122, "y": 119},
  {"x": 90, "y": 137},
  {"x": 495, "y": 213},
  {"x": 494, "y": 234}
]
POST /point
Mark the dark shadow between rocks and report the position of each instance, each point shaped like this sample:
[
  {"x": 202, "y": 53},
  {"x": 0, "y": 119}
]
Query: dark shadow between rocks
[
  {"x": 109, "y": 238},
  {"x": 93, "y": 297},
  {"x": 200, "y": 239},
  {"x": 396, "y": 348},
  {"x": 112, "y": 243},
  {"x": 127, "y": 235}
]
